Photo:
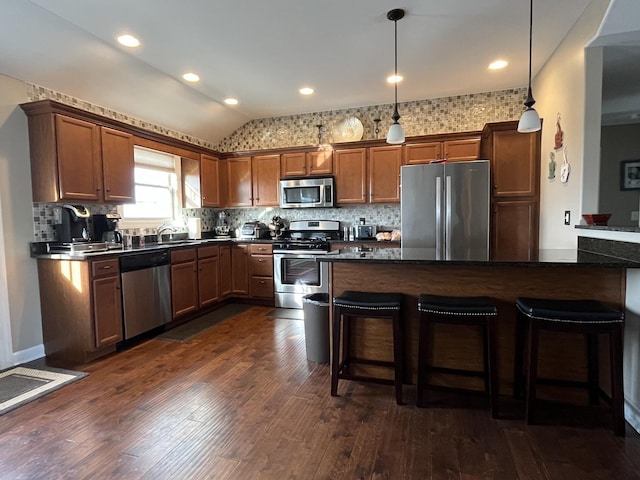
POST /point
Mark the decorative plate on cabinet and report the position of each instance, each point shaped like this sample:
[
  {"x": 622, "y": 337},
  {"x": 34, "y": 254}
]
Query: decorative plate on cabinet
[{"x": 349, "y": 130}]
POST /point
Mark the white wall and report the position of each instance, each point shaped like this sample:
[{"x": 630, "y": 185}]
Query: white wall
[
  {"x": 561, "y": 87},
  {"x": 19, "y": 284},
  {"x": 618, "y": 143}
]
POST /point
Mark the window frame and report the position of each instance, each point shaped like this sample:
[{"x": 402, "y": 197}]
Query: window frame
[{"x": 146, "y": 223}]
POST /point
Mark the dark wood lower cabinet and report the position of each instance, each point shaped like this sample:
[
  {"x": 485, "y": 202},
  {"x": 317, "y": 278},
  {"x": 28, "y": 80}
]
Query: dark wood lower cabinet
[
  {"x": 81, "y": 309},
  {"x": 225, "y": 270},
  {"x": 514, "y": 229},
  {"x": 184, "y": 282},
  {"x": 240, "y": 266},
  {"x": 208, "y": 276},
  {"x": 107, "y": 310}
]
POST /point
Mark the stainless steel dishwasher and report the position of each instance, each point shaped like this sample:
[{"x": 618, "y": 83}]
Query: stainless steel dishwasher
[{"x": 146, "y": 291}]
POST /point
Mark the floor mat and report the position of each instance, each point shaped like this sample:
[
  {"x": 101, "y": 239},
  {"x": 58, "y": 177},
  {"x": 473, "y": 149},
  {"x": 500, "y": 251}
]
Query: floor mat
[
  {"x": 185, "y": 332},
  {"x": 21, "y": 385}
]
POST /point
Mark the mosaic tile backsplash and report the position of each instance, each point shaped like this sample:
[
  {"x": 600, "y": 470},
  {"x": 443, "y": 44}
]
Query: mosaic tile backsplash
[
  {"x": 423, "y": 117},
  {"x": 386, "y": 217}
]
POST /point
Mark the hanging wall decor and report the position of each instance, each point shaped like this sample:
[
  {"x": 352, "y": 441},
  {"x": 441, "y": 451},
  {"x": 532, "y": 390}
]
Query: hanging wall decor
[{"x": 560, "y": 148}]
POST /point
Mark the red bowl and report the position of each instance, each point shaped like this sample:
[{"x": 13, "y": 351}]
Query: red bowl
[{"x": 596, "y": 218}]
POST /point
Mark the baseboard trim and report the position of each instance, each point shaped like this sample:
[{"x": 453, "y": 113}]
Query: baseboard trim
[
  {"x": 632, "y": 415},
  {"x": 32, "y": 353}
]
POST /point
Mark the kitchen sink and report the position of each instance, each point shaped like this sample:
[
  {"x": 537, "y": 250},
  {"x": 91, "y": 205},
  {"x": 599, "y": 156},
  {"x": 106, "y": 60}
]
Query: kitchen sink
[{"x": 173, "y": 238}]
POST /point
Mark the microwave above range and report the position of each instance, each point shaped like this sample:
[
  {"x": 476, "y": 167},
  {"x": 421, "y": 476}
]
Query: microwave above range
[{"x": 307, "y": 192}]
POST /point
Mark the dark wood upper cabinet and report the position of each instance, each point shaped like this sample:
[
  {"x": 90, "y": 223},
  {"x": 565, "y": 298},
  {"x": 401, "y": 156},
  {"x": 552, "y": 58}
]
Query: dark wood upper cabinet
[
  {"x": 266, "y": 180},
  {"x": 210, "y": 181},
  {"x": 239, "y": 182},
  {"x": 73, "y": 159},
  {"x": 117, "y": 165},
  {"x": 77, "y": 148},
  {"x": 293, "y": 164},
  {"x": 384, "y": 174},
  {"x": 454, "y": 150},
  {"x": 300, "y": 164},
  {"x": 350, "y": 167},
  {"x": 516, "y": 162}
]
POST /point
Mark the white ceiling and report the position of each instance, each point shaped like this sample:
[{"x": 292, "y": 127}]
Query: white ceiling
[{"x": 263, "y": 51}]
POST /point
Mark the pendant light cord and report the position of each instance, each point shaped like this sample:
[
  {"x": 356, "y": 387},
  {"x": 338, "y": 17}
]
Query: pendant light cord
[
  {"x": 395, "y": 67},
  {"x": 530, "y": 101}
]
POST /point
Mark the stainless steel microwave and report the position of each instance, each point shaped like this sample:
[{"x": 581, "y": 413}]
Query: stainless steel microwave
[{"x": 308, "y": 192}]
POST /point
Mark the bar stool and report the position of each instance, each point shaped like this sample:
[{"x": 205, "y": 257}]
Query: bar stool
[
  {"x": 479, "y": 311},
  {"x": 350, "y": 305},
  {"x": 587, "y": 317}
]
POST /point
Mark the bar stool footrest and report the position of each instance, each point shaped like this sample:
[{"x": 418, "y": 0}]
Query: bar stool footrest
[
  {"x": 364, "y": 378},
  {"x": 455, "y": 371}
]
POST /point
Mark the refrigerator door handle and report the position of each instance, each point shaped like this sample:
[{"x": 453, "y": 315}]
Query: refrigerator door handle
[
  {"x": 438, "y": 218},
  {"x": 447, "y": 206}
]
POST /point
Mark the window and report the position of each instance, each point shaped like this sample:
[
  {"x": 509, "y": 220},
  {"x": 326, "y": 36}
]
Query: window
[{"x": 157, "y": 187}]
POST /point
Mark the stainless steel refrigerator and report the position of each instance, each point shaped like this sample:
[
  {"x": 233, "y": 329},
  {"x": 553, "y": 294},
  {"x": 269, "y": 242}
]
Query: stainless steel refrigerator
[{"x": 445, "y": 207}]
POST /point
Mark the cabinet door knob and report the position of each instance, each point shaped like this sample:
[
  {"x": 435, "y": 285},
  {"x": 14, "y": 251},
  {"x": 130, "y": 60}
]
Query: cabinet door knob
[{"x": 495, "y": 187}]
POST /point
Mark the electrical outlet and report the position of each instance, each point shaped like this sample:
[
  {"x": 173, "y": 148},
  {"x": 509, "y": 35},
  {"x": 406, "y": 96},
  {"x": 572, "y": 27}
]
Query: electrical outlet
[{"x": 567, "y": 217}]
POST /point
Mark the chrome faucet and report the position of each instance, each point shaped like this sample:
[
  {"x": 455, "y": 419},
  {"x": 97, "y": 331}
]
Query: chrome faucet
[{"x": 164, "y": 227}]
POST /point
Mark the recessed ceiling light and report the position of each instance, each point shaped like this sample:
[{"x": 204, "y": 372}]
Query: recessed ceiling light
[
  {"x": 498, "y": 64},
  {"x": 306, "y": 91},
  {"x": 191, "y": 77},
  {"x": 231, "y": 101},
  {"x": 129, "y": 41},
  {"x": 394, "y": 79}
]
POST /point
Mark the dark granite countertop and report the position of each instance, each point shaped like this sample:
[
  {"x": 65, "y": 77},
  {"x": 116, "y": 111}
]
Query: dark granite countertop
[
  {"x": 427, "y": 256},
  {"x": 609, "y": 228},
  {"x": 146, "y": 248}
]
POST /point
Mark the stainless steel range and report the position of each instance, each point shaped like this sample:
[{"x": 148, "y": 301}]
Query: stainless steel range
[{"x": 295, "y": 270}]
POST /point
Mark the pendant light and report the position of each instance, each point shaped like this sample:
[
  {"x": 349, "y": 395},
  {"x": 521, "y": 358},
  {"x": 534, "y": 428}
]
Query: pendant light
[
  {"x": 396, "y": 132},
  {"x": 530, "y": 120}
]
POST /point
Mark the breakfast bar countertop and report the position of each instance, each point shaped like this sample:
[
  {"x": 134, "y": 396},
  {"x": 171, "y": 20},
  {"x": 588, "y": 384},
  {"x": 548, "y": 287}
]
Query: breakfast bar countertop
[{"x": 427, "y": 256}]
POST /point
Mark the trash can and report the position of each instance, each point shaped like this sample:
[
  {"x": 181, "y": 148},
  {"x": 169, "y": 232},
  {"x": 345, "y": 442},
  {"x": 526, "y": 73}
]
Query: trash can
[{"x": 315, "y": 308}]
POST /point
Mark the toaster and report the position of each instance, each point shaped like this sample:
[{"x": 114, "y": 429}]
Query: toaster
[
  {"x": 364, "y": 232},
  {"x": 254, "y": 230}
]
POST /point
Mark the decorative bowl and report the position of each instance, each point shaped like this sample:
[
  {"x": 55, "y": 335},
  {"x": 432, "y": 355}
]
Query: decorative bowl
[{"x": 596, "y": 218}]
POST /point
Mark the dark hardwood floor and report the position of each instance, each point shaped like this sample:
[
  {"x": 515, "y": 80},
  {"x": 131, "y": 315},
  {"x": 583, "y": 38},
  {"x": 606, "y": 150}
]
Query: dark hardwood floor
[{"x": 240, "y": 401}]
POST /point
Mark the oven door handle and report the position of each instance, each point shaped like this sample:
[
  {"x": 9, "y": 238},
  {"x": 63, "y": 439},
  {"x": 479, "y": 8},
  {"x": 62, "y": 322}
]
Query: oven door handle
[{"x": 297, "y": 254}]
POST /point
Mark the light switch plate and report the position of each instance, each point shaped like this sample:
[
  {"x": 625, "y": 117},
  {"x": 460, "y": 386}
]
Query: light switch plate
[{"x": 634, "y": 215}]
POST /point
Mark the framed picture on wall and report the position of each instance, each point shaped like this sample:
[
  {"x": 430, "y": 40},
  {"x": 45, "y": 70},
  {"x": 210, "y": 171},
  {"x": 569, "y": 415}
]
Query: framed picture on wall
[{"x": 630, "y": 175}]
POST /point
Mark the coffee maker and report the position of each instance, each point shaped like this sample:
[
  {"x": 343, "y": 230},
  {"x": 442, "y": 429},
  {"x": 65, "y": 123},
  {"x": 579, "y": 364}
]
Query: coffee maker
[
  {"x": 71, "y": 223},
  {"x": 104, "y": 227}
]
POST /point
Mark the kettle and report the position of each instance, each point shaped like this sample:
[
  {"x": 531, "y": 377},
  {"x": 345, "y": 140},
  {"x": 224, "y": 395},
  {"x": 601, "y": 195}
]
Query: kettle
[{"x": 276, "y": 227}]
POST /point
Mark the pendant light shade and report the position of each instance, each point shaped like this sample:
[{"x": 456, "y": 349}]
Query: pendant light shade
[
  {"x": 530, "y": 120},
  {"x": 396, "y": 132}
]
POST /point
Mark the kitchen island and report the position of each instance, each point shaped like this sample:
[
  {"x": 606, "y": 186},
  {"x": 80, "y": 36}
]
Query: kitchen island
[{"x": 568, "y": 274}]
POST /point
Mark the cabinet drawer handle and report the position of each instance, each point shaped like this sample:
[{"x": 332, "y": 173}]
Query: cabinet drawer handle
[
  {"x": 262, "y": 282},
  {"x": 106, "y": 267}
]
